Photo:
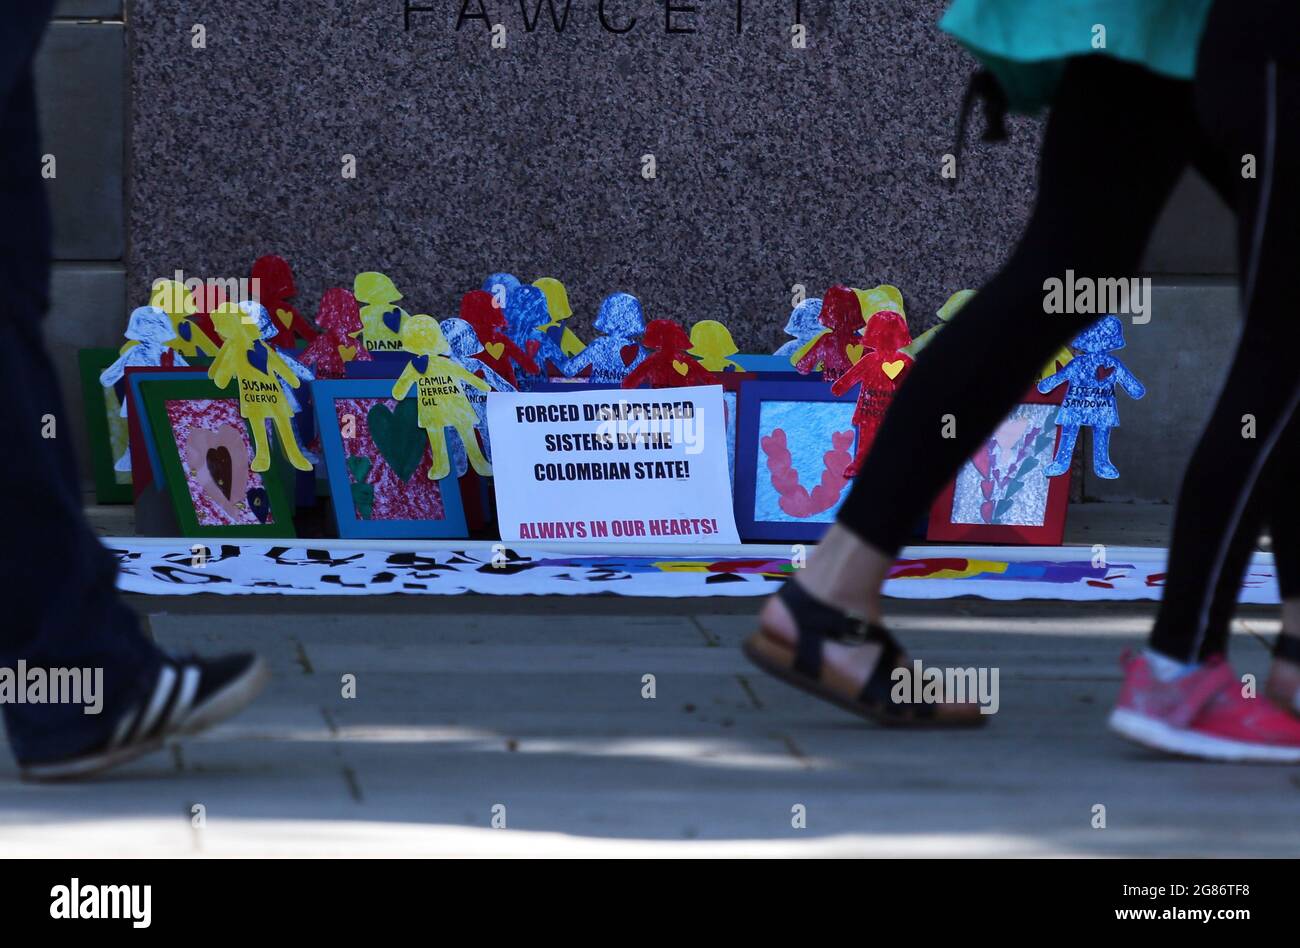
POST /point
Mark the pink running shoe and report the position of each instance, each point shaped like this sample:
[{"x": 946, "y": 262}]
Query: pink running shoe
[{"x": 1202, "y": 714}]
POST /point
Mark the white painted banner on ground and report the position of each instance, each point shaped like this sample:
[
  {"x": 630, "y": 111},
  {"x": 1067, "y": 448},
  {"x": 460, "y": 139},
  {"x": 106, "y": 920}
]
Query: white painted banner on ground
[
  {"x": 612, "y": 465},
  {"x": 172, "y": 567}
]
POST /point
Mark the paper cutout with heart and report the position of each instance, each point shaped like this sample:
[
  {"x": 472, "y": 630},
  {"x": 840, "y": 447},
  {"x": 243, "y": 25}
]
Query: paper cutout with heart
[
  {"x": 527, "y": 316},
  {"x": 440, "y": 384},
  {"x": 841, "y": 314},
  {"x": 272, "y": 279},
  {"x": 465, "y": 349},
  {"x": 880, "y": 373},
  {"x": 621, "y": 324},
  {"x": 263, "y": 379},
  {"x": 669, "y": 364},
  {"x": 339, "y": 317},
  {"x": 1092, "y": 377},
  {"x": 557, "y": 304}
]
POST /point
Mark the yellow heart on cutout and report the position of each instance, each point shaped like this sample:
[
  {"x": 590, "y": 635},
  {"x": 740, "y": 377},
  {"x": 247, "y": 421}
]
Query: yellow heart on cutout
[
  {"x": 284, "y": 316},
  {"x": 347, "y": 354},
  {"x": 494, "y": 349},
  {"x": 855, "y": 353},
  {"x": 893, "y": 368},
  {"x": 681, "y": 367}
]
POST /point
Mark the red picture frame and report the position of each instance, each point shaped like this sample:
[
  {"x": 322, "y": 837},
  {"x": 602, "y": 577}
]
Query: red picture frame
[{"x": 1049, "y": 533}]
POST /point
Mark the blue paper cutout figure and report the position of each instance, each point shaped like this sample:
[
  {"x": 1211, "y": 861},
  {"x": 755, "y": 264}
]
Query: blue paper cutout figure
[
  {"x": 804, "y": 325},
  {"x": 621, "y": 324},
  {"x": 526, "y": 314},
  {"x": 267, "y": 330},
  {"x": 1090, "y": 400},
  {"x": 500, "y": 285},
  {"x": 465, "y": 346},
  {"x": 153, "y": 329}
]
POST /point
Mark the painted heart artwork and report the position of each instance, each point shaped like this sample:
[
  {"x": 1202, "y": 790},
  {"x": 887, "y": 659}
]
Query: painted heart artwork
[
  {"x": 388, "y": 460},
  {"x": 212, "y": 440},
  {"x": 398, "y": 436},
  {"x": 258, "y": 356},
  {"x": 1005, "y": 481},
  {"x": 804, "y": 449},
  {"x": 259, "y": 503}
]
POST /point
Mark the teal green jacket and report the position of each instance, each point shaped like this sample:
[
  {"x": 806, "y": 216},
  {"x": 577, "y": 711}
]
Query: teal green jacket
[{"x": 1025, "y": 43}]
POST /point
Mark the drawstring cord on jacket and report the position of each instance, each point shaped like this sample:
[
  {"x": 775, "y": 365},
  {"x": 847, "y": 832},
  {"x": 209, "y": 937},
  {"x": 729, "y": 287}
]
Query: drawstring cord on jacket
[{"x": 983, "y": 85}]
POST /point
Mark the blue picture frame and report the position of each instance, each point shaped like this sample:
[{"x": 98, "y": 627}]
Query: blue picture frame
[
  {"x": 766, "y": 365},
  {"x": 325, "y": 393},
  {"x": 751, "y": 463},
  {"x": 375, "y": 368}
]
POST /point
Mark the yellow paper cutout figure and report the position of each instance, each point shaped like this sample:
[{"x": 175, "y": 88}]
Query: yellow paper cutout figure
[
  {"x": 880, "y": 298},
  {"x": 946, "y": 312},
  {"x": 381, "y": 318},
  {"x": 711, "y": 343},
  {"x": 439, "y": 383},
  {"x": 176, "y": 300},
  {"x": 258, "y": 369},
  {"x": 557, "y": 304}
]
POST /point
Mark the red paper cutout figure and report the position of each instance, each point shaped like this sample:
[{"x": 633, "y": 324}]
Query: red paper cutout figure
[
  {"x": 879, "y": 373},
  {"x": 275, "y": 287},
  {"x": 670, "y": 364},
  {"x": 339, "y": 318},
  {"x": 842, "y": 316},
  {"x": 499, "y": 351},
  {"x": 797, "y": 500}
]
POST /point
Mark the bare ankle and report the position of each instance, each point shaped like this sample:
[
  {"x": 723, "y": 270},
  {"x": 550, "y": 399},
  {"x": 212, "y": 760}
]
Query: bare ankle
[{"x": 847, "y": 573}]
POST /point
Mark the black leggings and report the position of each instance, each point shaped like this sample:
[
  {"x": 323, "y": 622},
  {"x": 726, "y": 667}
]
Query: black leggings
[{"x": 1116, "y": 142}]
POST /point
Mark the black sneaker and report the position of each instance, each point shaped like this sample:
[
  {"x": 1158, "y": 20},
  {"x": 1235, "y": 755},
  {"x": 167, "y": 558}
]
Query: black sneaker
[{"x": 191, "y": 694}]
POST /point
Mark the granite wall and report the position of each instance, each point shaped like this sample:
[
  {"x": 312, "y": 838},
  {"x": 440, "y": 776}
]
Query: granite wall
[{"x": 774, "y": 165}]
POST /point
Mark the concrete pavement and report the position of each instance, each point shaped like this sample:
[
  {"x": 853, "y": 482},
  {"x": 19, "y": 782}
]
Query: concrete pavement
[{"x": 530, "y": 711}]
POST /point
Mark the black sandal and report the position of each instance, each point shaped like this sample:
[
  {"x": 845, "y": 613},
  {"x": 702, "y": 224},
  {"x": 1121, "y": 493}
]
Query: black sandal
[{"x": 802, "y": 665}]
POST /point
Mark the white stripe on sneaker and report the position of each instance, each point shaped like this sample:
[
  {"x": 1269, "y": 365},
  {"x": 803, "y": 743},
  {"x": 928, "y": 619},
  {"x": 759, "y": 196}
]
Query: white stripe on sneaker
[
  {"x": 161, "y": 693},
  {"x": 123, "y": 729},
  {"x": 181, "y": 706},
  {"x": 1156, "y": 734}
]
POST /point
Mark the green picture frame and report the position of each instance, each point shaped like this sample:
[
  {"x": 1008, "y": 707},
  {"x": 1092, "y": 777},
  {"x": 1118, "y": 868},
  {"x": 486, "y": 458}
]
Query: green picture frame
[
  {"x": 111, "y": 487},
  {"x": 279, "y": 498}
]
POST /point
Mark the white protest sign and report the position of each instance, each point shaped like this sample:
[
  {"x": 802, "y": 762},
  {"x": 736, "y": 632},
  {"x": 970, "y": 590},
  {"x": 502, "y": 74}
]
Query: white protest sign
[{"x": 612, "y": 465}]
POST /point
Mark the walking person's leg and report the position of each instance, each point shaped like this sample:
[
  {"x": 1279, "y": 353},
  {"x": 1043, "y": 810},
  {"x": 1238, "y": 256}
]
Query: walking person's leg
[
  {"x": 1182, "y": 696},
  {"x": 63, "y": 611},
  {"x": 1095, "y": 209},
  {"x": 1283, "y": 686}
]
